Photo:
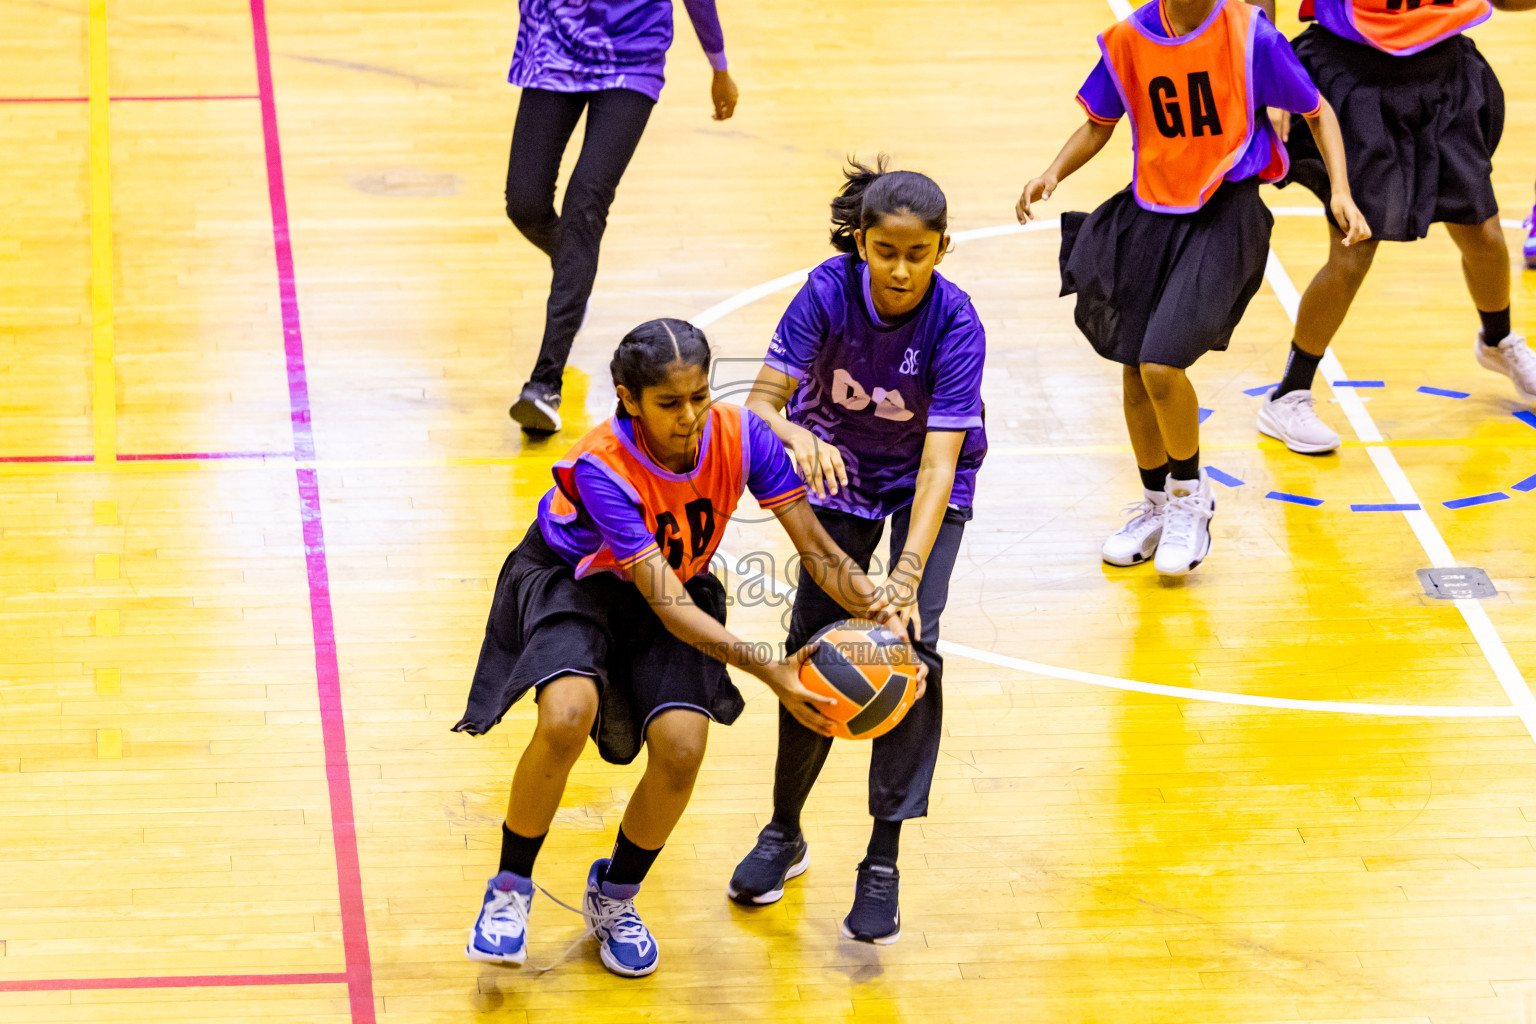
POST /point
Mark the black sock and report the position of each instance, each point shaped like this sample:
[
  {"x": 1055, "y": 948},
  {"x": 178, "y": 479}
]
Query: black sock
[
  {"x": 519, "y": 852},
  {"x": 629, "y": 863},
  {"x": 1185, "y": 469},
  {"x": 1154, "y": 479},
  {"x": 884, "y": 843},
  {"x": 1496, "y": 326},
  {"x": 1300, "y": 368}
]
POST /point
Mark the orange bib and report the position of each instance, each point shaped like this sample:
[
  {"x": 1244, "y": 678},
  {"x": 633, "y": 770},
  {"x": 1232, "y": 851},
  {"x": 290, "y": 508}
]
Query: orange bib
[
  {"x": 1190, "y": 101},
  {"x": 1403, "y": 27},
  {"x": 686, "y": 512}
]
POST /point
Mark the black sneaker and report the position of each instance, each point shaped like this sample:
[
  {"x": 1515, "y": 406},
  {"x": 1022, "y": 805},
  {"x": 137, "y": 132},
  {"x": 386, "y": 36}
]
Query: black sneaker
[
  {"x": 537, "y": 409},
  {"x": 875, "y": 916},
  {"x": 776, "y": 858}
]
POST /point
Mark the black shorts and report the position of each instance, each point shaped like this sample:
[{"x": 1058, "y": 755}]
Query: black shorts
[
  {"x": 545, "y": 623},
  {"x": 1419, "y": 132},
  {"x": 1165, "y": 287}
]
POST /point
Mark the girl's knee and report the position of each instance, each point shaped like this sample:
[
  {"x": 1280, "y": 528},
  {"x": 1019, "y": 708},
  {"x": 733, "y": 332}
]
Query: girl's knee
[
  {"x": 1159, "y": 380},
  {"x": 567, "y": 711},
  {"x": 1135, "y": 390},
  {"x": 675, "y": 744}
]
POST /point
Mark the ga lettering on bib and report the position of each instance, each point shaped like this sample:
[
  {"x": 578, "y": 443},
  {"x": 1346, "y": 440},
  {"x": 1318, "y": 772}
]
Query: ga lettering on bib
[
  {"x": 1190, "y": 100},
  {"x": 1399, "y": 27},
  {"x": 686, "y": 512}
]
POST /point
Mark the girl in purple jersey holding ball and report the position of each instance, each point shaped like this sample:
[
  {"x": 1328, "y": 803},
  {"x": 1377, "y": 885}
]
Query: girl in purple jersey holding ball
[
  {"x": 873, "y": 382},
  {"x": 604, "y": 57}
]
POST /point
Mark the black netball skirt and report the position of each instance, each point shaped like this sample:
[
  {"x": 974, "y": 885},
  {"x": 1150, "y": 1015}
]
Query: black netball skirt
[
  {"x": 545, "y": 623},
  {"x": 1164, "y": 287},
  {"x": 1419, "y": 132}
]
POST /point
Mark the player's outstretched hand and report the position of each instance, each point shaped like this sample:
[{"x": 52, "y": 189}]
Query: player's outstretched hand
[
  {"x": 820, "y": 465},
  {"x": 723, "y": 94},
  {"x": 783, "y": 678},
  {"x": 1348, "y": 216},
  {"x": 1036, "y": 191}
]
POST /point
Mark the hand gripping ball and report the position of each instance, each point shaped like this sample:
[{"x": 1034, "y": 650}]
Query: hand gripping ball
[{"x": 871, "y": 672}]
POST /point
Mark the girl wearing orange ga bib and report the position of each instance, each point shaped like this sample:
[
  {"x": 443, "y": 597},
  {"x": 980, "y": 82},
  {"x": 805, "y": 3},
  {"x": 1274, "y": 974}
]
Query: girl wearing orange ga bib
[
  {"x": 1164, "y": 270},
  {"x": 608, "y": 614},
  {"x": 1422, "y": 114}
]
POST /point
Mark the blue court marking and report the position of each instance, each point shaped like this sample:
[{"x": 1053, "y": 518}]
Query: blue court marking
[
  {"x": 1295, "y": 499},
  {"x": 1359, "y": 383},
  {"x": 1528, "y": 484},
  {"x": 1386, "y": 508},
  {"x": 1232, "y": 481},
  {"x": 1477, "y": 499},
  {"x": 1443, "y": 392},
  {"x": 1255, "y": 392},
  {"x": 1528, "y": 418},
  {"x": 1206, "y": 414}
]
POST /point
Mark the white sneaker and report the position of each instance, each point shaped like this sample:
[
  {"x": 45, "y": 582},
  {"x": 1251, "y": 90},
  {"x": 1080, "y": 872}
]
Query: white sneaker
[
  {"x": 1135, "y": 542},
  {"x": 1514, "y": 359},
  {"x": 1186, "y": 536},
  {"x": 1291, "y": 418}
]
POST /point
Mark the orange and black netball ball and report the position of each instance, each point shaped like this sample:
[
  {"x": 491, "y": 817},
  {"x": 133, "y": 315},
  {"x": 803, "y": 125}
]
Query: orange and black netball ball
[{"x": 870, "y": 671}]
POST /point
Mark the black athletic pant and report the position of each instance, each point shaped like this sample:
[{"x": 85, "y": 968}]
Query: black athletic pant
[
  {"x": 901, "y": 763},
  {"x": 545, "y": 120}
]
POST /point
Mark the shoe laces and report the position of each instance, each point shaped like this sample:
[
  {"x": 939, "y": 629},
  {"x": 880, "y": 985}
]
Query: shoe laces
[
  {"x": 507, "y": 916},
  {"x": 1183, "y": 515},
  {"x": 877, "y": 885},
  {"x": 770, "y": 846},
  {"x": 1520, "y": 357},
  {"x": 1139, "y": 511},
  {"x": 1296, "y": 402},
  {"x": 619, "y": 920}
]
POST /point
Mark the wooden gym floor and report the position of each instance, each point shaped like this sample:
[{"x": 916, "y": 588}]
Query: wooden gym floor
[{"x": 260, "y": 320}]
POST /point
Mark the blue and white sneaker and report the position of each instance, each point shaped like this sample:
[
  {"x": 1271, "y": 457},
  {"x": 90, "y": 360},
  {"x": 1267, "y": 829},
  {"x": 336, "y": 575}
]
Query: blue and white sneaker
[
  {"x": 1530, "y": 241},
  {"x": 500, "y": 934},
  {"x": 626, "y": 945}
]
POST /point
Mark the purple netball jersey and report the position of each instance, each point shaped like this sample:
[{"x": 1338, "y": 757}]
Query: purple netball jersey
[
  {"x": 587, "y": 45},
  {"x": 874, "y": 390}
]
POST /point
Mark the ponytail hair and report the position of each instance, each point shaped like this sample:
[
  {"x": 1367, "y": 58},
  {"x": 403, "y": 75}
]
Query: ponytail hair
[
  {"x": 871, "y": 193},
  {"x": 643, "y": 357}
]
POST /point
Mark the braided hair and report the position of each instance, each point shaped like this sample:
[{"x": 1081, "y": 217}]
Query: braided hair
[{"x": 647, "y": 352}]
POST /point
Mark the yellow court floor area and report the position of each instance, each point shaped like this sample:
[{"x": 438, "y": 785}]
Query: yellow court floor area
[{"x": 261, "y": 317}]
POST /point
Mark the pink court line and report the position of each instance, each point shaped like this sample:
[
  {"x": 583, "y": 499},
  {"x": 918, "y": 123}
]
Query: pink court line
[
  {"x": 187, "y": 981},
  {"x": 124, "y": 99},
  {"x": 44, "y": 458},
  {"x": 354, "y": 925},
  {"x": 349, "y": 879},
  {"x": 202, "y": 456},
  {"x": 152, "y": 457}
]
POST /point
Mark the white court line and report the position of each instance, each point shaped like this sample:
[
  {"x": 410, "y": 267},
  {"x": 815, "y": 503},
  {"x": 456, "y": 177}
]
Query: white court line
[
  {"x": 1429, "y": 536},
  {"x": 749, "y": 574}
]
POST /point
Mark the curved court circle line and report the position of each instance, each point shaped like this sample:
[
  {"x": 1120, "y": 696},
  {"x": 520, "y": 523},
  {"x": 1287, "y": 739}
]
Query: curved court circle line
[
  {"x": 741, "y": 300},
  {"x": 749, "y": 574}
]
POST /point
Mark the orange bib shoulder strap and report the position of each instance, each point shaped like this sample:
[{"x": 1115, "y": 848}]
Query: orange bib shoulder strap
[
  {"x": 1190, "y": 100},
  {"x": 687, "y": 513}
]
